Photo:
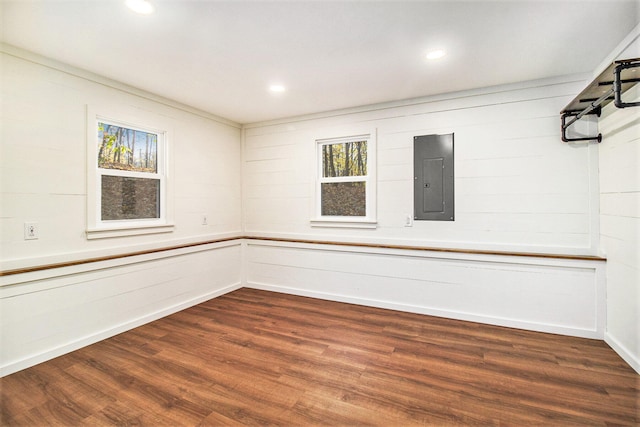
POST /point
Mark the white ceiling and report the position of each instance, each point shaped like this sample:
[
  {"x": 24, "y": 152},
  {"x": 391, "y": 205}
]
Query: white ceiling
[{"x": 221, "y": 56}]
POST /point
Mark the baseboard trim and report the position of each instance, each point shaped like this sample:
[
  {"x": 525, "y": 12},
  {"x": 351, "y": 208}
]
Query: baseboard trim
[
  {"x": 631, "y": 359},
  {"x": 35, "y": 359},
  {"x": 470, "y": 317}
]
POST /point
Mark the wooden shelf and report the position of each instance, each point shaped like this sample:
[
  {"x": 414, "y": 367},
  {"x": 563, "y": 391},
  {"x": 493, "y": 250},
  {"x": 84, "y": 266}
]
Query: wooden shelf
[{"x": 609, "y": 86}]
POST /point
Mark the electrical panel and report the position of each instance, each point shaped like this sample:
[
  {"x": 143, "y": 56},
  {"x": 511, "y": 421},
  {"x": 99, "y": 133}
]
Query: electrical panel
[{"x": 433, "y": 195}]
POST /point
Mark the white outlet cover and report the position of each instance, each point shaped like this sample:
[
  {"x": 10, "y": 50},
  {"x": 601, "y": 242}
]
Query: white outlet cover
[
  {"x": 408, "y": 221},
  {"x": 30, "y": 231}
]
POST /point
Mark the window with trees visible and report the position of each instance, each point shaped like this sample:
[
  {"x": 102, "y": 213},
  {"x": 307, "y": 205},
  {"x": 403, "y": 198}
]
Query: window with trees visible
[
  {"x": 130, "y": 182},
  {"x": 345, "y": 188},
  {"x": 127, "y": 179}
]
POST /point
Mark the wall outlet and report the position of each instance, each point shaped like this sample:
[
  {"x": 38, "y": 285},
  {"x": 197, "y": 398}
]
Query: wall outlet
[
  {"x": 204, "y": 220},
  {"x": 30, "y": 230},
  {"x": 408, "y": 220}
]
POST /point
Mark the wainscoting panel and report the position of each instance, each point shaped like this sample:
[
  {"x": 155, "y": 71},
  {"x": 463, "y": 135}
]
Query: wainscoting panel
[
  {"x": 542, "y": 294},
  {"x": 45, "y": 318}
]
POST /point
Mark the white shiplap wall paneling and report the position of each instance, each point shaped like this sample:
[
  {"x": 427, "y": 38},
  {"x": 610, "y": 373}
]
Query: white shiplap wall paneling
[
  {"x": 43, "y": 180},
  {"x": 517, "y": 186},
  {"x": 546, "y": 295},
  {"x": 619, "y": 155},
  {"x": 44, "y": 318},
  {"x": 43, "y": 161}
]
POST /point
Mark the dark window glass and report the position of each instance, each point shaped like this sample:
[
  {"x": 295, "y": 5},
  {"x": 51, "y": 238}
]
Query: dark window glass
[
  {"x": 344, "y": 199},
  {"x": 130, "y": 198}
]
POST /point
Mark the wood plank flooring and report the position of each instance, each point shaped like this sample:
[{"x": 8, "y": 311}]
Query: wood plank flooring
[{"x": 253, "y": 357}]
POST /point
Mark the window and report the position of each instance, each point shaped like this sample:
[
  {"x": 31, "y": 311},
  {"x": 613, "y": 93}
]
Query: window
[
  {"x": 346, "y": 182},
  {"x": 127, "y": 179}
]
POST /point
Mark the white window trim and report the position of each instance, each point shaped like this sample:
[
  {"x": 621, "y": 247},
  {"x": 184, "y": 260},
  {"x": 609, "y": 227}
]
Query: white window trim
[
  {"x": 367, "y": 221},
  {"x": 134, "y": 119}
]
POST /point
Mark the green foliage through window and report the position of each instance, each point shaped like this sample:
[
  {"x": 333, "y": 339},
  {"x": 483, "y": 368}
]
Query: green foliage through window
[
  {"x": 344, "y": 159},
  {"x": 127, "y": 149}
]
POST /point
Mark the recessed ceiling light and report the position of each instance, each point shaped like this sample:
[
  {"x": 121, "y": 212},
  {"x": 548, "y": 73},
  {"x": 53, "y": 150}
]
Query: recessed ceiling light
[
  {"x": 436, "y": 54},
  {"x": 276, "y": 88},
  {"x": 143, "y": 7}
]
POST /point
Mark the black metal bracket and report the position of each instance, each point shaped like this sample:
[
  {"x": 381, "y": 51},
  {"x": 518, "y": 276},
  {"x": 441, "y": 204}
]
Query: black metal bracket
[
  {"x": 618, "y": 81},
  {"x": 595, "y": 96},
  {"x": 576, "y": 115}
]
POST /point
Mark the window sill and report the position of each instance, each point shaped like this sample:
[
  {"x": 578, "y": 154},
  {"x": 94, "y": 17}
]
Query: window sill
[
  {"x": 104, "y": 233},
  {"x": 344, "y": 223}
]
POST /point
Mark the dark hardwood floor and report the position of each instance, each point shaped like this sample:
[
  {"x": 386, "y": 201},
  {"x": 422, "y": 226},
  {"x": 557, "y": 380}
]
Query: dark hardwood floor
[{"x": 254, "y": 357}]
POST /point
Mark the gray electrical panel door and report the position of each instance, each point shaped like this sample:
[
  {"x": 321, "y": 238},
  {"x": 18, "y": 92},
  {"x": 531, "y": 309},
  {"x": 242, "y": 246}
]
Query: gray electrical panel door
[{"x": 433, "y": 177}]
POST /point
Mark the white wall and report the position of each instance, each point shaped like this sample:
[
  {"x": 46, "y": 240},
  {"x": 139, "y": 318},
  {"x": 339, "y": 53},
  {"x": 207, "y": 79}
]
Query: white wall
[
  {"x": 620, "y": 218},
  {"x": 517, "y": 188},
  {"x": 49, "y": 313},
  {"x": 557, "y": 296},
  {"x": 43, "y": 180},
  {"x": 44, "y": 163}
]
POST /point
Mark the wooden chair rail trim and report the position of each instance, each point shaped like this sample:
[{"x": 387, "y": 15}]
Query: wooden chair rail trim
[
  {"x": 110, "y": 257},
  {"x": 433, "y": 249},
  {"x": 301, "y": 241}
]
